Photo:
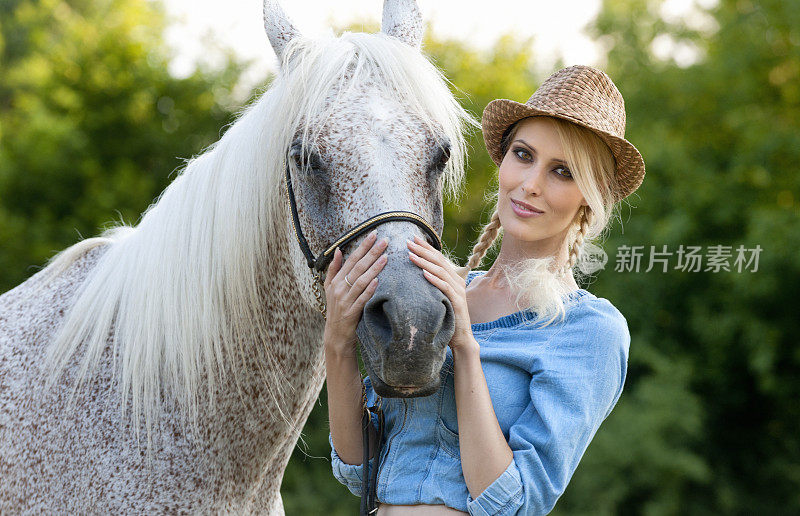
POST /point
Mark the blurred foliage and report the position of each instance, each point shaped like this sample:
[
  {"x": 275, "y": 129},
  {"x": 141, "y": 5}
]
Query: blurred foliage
[{"x": 91, "y": 124}]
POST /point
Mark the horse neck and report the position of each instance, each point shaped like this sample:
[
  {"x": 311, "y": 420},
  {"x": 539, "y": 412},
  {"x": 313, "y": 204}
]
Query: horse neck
[
  {"x": 286, "y": 370},
  {"x": 297, "y": 325}
]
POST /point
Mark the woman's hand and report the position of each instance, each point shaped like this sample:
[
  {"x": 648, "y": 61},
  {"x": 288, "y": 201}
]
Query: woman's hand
[
  {"x": 442, "y": 274},
  {"x": 485, "y": 453},
  {"x": 344, "y": 301}
]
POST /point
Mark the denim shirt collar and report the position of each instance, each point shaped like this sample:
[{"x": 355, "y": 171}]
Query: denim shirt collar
[{"x": 519, "y": 317}]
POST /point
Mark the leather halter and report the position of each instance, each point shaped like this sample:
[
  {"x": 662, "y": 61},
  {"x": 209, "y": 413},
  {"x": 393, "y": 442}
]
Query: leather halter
[{"x": 319, "y": 263}]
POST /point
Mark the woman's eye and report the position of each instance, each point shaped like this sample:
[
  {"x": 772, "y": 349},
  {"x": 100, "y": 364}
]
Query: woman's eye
[
  {"x": 566, "y": 172},
  {"x": 523, "y": 154},
  {"x": 526, "y": 156}
]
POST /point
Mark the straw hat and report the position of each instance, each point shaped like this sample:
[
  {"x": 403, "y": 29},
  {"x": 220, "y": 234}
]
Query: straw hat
[{"x": 580, "y": 94}]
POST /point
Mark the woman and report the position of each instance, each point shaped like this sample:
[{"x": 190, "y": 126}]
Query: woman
[{"x": 523, "y": 390}]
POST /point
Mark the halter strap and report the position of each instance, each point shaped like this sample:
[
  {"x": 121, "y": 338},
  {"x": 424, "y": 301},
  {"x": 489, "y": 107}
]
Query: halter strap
[{"x": 318, "y": 263}]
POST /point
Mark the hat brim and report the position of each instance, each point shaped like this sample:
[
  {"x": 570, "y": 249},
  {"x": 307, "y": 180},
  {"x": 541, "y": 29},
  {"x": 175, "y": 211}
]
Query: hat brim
[{"x": 500, "y": 114}]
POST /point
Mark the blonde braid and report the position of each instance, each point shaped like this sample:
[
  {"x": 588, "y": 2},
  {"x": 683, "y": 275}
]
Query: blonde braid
[
  {"x": 586, "y": 216},
  {"x": 485, "y": 241}
]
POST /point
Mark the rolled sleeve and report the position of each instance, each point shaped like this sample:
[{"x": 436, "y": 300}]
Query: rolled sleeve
[
  {"x": 572, "y": 393},
  {"x": 348, "y": 474},
  {"x": 503, "y": 496}
]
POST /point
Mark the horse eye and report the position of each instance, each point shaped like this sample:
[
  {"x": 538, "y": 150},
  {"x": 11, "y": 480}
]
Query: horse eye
[
  {"x": 296, "y": 156},
  {"x": 308, "y": 160},
  {"x": 441, "y": 157}
]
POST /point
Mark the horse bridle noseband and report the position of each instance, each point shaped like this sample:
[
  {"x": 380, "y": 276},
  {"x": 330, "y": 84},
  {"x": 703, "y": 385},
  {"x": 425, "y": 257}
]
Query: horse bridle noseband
[{"x": 319, "y": 263}]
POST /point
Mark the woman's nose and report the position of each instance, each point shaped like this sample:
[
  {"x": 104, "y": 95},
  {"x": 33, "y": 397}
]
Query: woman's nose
[{"x": 532, "y": 185}]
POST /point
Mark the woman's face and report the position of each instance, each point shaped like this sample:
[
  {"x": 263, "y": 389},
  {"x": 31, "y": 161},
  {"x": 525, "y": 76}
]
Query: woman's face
[{"x": 538, "y": 198}]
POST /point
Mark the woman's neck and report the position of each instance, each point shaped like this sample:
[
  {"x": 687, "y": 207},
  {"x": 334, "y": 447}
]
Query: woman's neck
[{"x": 512, "y": 252}]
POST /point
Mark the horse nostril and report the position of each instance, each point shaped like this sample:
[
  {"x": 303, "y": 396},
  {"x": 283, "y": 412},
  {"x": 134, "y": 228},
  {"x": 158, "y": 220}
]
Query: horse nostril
[
  {"x": 449, "y": 317},
  {"x": 376, "y": 315}
]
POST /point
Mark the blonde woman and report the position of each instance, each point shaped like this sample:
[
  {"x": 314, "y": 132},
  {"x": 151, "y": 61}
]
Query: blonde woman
[{"x": 536, "y": 363}]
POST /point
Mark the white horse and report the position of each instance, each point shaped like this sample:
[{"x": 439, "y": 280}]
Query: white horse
[{"x": 198, "y": 328}]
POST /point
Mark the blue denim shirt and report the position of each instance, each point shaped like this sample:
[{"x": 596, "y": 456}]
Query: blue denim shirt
[{"x": 551, "y": 388}]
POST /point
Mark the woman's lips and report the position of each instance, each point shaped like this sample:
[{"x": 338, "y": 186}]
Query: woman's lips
[{"x": 524, "y": 210}]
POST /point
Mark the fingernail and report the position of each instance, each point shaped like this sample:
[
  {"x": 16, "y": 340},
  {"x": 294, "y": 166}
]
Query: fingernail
[{"x": 373, "y": 233}]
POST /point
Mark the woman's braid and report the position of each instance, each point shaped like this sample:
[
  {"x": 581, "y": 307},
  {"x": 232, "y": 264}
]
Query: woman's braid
[
  {"x": 485, "y": 241},
  {"x": 585, "y": 220}
]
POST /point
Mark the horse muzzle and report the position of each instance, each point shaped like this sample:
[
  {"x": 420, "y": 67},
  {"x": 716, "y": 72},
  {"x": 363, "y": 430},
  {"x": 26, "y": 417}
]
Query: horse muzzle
[{"x": 405, "y": 328}]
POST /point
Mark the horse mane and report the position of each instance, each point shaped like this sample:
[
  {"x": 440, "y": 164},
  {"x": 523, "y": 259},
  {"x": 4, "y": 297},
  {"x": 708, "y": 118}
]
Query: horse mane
[{"x": 178, "y": 295}]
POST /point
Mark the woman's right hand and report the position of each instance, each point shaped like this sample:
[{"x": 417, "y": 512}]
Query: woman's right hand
[{"x": 345, "y": 302}]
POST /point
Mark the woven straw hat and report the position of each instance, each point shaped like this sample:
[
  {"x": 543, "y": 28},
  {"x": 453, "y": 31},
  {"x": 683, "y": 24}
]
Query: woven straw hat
[{"x": 579, "y": 94}]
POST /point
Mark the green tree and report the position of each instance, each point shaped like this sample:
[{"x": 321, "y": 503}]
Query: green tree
[{"x": 91, "y": 122}]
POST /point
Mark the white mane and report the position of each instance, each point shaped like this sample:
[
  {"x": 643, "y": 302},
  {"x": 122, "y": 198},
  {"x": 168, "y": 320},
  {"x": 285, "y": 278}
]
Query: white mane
[{"x": 180, "y": 292}]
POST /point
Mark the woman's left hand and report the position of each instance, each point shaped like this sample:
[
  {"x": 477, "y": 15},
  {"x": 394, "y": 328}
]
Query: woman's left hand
[{"x": 440, "y": 272}]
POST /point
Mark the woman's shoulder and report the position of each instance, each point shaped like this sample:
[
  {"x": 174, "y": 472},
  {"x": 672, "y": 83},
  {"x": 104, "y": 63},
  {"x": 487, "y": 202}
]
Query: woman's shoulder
[
  {"x": 595, "y": 309},
  {"x": 597, "y": 320}
]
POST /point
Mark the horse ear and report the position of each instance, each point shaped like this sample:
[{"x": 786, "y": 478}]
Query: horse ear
[
  {"x": 402, "y": 19},
  {"x": 280, "y": 29}
]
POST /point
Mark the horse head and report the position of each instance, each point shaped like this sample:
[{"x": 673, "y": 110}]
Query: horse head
[{"x": 376, "y": 130}]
